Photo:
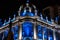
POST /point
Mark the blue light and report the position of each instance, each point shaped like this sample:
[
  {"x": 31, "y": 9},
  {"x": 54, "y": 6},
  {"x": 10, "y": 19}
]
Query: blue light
[
  {"x": 45, "y": 33},
  {"x": 39, "y": 27},
  {"x": 6, "y": 33},
  {"x": 15, "y": 36},
  {"x": 27, "y": 28},
  {"x": 40, "y": 35},
  {"x": 13, "y": 19},
  {"x": 44, "y": 29},
  {"x": 50, "y": 34},
  {"x": 39, "y": 32},
  {"x": 23, "y": 13},
  {"x": 16, "y": 27},
  {"x": 15, "y": 31},
  {"x": 27, "y": 14},
  {"x": 46, "y": 36},
  {"x": 7, "y": 22},
  {"x": 51, "y": 38},
  {"x": 30, "y": 14},
  {"x": 44, "y": 20},
  {"x": 27, "y": 38},
  {"x": 49, "y": 22}
]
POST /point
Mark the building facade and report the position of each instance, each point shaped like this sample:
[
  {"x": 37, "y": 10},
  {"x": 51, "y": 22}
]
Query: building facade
[{"x": 29, "y": 26}]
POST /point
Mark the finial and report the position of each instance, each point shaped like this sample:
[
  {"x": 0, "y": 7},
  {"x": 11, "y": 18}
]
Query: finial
[
  {"x": 14, "y": 16},
  {"x": 27, "y": 4},
  {"x": 41, "y": 16},
  {"x": 47, "y": 18},
  {"x": 27, "y": 1},
  {"x": 9, "y": 19}
]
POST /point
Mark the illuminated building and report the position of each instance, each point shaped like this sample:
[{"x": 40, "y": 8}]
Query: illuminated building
[{"x": 29, "y": 26}]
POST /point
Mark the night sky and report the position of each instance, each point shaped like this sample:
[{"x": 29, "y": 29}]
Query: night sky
[{"x": 9, "y": 7}]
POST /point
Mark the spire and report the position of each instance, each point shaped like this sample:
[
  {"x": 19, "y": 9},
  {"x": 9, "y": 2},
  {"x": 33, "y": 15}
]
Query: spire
[{"x": 27, "y": 1}]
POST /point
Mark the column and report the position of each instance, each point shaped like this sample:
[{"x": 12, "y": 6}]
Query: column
[
  {"x": 35, "y": 36},
  {"x": 54, "y": 36},
  {"x": 20, "y": 32},
  {"x": 43, "y": 34}
]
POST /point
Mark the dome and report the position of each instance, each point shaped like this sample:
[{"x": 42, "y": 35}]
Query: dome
[{"x": 27, "y": 10}]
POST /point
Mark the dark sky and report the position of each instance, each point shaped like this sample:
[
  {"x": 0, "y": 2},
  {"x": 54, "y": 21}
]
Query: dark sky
[{"x": 9, "y": 7}]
